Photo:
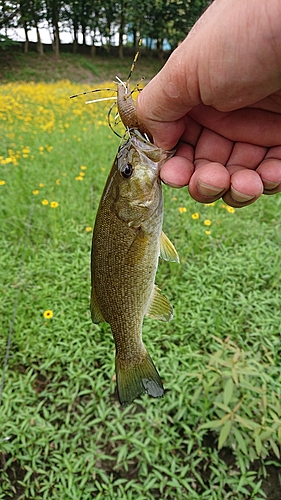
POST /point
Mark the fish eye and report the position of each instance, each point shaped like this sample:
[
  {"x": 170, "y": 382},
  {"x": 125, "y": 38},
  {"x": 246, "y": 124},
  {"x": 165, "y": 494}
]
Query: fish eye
[{"x": 127, "y": 170}]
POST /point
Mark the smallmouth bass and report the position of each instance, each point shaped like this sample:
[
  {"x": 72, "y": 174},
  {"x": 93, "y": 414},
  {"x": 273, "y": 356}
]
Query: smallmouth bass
[{"x": 127, "y": 242}]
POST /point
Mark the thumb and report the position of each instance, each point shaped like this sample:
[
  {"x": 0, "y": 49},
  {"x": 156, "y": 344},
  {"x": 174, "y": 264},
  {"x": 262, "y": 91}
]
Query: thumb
[{"x": 163, "y": 103}]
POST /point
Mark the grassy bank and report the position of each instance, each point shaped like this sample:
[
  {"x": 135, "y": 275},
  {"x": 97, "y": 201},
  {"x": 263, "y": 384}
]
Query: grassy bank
[
  {"x": 216, "y": 433},
  {"x": 16, "y": 66}
]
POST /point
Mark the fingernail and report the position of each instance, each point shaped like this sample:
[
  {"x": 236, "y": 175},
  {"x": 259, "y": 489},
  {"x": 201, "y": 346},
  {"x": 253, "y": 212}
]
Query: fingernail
[
  {"x": 171, "y": 184},
  {"x": 270, "y": 184},
  {"x": 240, "y": 197},
  {"x": 207, "y": 190}
]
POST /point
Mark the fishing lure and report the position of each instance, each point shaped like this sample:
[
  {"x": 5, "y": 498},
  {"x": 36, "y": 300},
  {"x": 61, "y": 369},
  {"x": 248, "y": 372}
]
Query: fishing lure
[{"x": 124, "y": 101}]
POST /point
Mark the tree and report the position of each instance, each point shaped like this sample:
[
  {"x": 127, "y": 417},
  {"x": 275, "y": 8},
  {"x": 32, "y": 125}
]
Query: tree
[
  {"x": 108, "y": 19},
  {"x": 72, "y": 10},
  {"x": 155, "y": 20},
  {"x": 94, "y": 23},
  {"x": 10, "y": 11},
  {"x": 160, "y": 20},
  {"x": 184, "y": 16},
  {"x": 53, "y": 16},
  {"x": 24, "y": 20},
  {"x": 30, "y": 13},
  {"x": 38, "y": 14}
]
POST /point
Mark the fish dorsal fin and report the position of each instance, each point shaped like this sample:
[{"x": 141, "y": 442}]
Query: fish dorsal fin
[
  {"x": 159, "y": 307},
  {"x": 97, "y": 316},
  {"x": 167, "y": 249}
]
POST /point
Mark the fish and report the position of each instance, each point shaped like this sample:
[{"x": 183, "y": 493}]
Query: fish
[{"x": 126, "y": 245}]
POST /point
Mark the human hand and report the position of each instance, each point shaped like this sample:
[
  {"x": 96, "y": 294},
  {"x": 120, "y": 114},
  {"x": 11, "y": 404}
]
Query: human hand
[{"x": 219, "y": 98}]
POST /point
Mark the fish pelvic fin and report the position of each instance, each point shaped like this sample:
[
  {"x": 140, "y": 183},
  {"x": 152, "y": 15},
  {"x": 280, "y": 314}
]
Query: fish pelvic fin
[
  {"x": 167, "y": 249},
  {"x": 159, "y": 307},
  {"x": 142, "y": 378}
]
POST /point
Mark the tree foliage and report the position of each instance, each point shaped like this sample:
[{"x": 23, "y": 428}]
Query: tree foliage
[{"x": 154, "y": 20}]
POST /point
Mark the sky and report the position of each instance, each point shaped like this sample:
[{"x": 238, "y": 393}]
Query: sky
[{"x": 18, "y": 34}]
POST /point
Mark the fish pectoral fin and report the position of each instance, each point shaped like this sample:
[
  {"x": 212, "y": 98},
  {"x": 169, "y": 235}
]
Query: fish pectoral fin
[
  {"x": 140, "y": 378},
  {"x": 167, "y": 249},
  {"x": 97, "y": 316},
  {"x": 159, "y": 307}
]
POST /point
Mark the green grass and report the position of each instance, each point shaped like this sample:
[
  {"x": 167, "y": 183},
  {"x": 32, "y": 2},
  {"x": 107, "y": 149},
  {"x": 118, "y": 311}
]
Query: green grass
[{"x": 63, "y": 433}]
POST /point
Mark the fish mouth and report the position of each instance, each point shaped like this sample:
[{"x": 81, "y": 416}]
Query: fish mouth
[{"x": 150, "y": 150}]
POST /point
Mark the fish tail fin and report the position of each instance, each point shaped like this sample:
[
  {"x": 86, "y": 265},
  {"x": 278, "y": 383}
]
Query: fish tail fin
[{"x": 137, "y": 379}]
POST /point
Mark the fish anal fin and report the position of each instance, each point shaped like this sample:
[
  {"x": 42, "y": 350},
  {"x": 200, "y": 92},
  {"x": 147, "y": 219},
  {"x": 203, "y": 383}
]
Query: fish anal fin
[
  {"x": 159, "y": 307},
  {"x": 96, "y": 314},
  {"x": 137, "y": 379},
  {"x": 167, "y": 249}
]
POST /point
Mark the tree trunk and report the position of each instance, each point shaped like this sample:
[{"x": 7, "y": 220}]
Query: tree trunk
[
  {"x": 56, "y": 39},
  {"x": 159, "y": 47},
  {"x": 84, "y": 34},
  {"x": 135, "y": 38},
  {"x": 120, "y": 51},
  {"x": 26, "y": 43},
  {"x": 121, "y": 30},
  {"x": 40, "y": 49},
  {"x": 50, "y": 34},
  {"x": 121, "y": 35},
  {"x": 75, "y": 41},
  {"x": 149, "y": 43},
  {"x": 93, "y": 48}
]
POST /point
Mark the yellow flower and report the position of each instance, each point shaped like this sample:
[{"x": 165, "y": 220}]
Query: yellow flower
[
  {"x": 182, "y": 210},
  {"x": 48, "y": 314},
  {"x": 41, "y": 185},
  {"x": 35, "y": 191},
  {"x": 5, "y": 161},
  {"x": 208, "y": 231},
  {"x": 175, "y": 198},
  {"x": 26, "y": 151},
  {"x": 207, "y": 222},
  {"x": 54, "y": 204},
  {"x": 2, "y": 183},
  {"x": 231, "y": 210},
  {"x": 195, "y": 216},
  {"x": 223, "y": 205},
  {"x": 209, "y": 204},
  {"x": 45, "y": 202},
  {"x": 41, "y": 148},
  {"x": 58, "y": 182},
  {"x": 88, "y": 229},
  {"x": 82, "y": 174},
  {"x": 79, "y": 178}
]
